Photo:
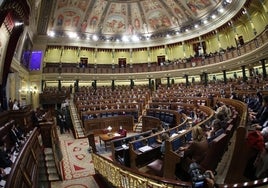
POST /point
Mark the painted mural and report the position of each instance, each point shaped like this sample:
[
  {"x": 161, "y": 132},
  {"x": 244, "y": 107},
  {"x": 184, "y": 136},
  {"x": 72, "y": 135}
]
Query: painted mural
[{"x": 127, "y": 17}]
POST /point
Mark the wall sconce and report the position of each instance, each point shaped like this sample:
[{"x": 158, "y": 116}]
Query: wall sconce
[{"x": 31, "y": 90}]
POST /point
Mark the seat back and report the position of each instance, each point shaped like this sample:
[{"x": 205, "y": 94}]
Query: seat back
[{"x": 216, "y": 150}]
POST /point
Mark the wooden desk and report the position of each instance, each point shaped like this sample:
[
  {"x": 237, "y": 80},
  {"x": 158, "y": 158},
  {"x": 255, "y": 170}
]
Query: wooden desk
[{"x": 108, "y": 137}]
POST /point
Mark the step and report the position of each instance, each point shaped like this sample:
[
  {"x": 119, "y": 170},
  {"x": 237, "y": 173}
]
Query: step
[
  {"x": 53, "y": 177},
  {"x": 48, "y": 151},
  {"x": 49, "y": 157},
  {"x": 52, "y": 171},
  {"x": 50, "y": 164}
]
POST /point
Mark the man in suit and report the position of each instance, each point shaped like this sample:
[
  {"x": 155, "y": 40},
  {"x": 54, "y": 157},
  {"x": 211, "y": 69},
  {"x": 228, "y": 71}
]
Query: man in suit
[
  {"x": 5, "y": 160},
  {"x": 259, "y": 119},
  {"x": 16, "y": 136}
]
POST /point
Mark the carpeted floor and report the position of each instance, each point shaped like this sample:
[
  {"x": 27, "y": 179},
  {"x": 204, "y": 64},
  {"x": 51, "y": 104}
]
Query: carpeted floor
[
  {"x": 77, "y": 166},
  {"x": 77, "y": 162},
  {"x": 85, "y": 182}
]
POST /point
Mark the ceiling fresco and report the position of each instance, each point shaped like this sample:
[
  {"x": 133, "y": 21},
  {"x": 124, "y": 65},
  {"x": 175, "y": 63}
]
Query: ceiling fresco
[{"x": 130, "y": 17}]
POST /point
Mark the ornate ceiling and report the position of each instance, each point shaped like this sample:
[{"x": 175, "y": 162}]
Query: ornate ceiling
[{"x": 112, "y": 19}]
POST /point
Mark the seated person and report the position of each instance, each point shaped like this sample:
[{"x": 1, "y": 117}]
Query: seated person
[
  {"x": 122, "y": 132},
  {"x": 17, "y": 135},
  {"x": 164, "y": 137},
  {"x": 5, "y": 160},
  {"x": 216, "y": 127},
  {"x": 256, "y": 143},
  {"x": 198, "y": 134},
  {"x": 261, "y": 116},
  {"x": 2, "y": 174},
  {"x": 261, "y": 163},
  {"x": 195, "y": 152},
  {"x": 15, "y": 105}
]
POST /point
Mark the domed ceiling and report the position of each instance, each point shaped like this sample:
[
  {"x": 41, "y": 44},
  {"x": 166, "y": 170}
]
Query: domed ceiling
[{"x": 109, "y": 19}]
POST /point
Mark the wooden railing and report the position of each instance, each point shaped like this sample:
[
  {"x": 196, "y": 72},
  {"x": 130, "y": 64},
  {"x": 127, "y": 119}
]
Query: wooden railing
[
  {"x": 98, "y": 125},
  {"x": 120, "y": 176},
  {"x": 24, "y": 172}
]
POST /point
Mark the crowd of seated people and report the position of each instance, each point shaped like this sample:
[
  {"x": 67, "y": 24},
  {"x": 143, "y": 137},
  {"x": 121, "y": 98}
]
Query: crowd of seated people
[
  {"x": 259, "y": 118},
  {"x": 10, "y": 146},
  {"x": 17, "y": 136},
  {"x": 257, "y": 166}
]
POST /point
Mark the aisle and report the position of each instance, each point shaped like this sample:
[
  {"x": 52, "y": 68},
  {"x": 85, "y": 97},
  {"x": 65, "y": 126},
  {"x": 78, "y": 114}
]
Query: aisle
[{"x": 77, "y": 167}]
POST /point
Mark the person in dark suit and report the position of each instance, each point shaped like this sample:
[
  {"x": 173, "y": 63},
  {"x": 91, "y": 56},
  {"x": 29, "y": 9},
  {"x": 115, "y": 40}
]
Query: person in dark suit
[
  {"x": 5, "y": 160},
  {"x": 261, "y": 117},
  {"x": 16, "y": 136}
]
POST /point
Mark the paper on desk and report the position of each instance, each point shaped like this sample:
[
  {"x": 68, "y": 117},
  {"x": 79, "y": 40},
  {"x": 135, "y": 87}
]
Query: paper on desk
[
  {"x": 182, "y": 131},
  {"x": 7, "y": 170},
  {"x": 124, "y": 146},
  {"x": 145, "y": 148},
  {"x": 117, "y": 134},
  {"x": 2, "y": 183}
]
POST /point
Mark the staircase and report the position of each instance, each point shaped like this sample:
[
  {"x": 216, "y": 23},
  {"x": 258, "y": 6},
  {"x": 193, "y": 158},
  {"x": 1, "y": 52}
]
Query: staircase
[
  {"x": 43, "y": 176},
  {"x": 50, "y": 165},
  {"x": 77, "y": 124},
  {"x": 47, "y": 169},
  {"x": 138, "y": 127}
]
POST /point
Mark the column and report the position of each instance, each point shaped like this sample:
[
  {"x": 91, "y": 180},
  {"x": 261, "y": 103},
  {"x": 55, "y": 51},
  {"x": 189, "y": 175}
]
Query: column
[
  {"x": 224, "y": 76},
  {"x": 244, "y": 76},
  {"x": 42, "y": 85},
  {"x": 149, "y": 58},
  {"x": 264, "y": 73},
  {"x": 95, "y": 84},
  {"x": 150, "y": 83},
  {"x": 186, "y": 80},
  {"x": 252, "y": 27},
  {"x": 95, "y": 59},
  {"x": 113, "y": 86},
  {"x": 59, "y": 85},
  {"x": 76, "y": 86},
  {"x": 130, "y": 60},
  {"x": 131, "y": 83},
  {"x": 168, "y": 81},
  {"x": 204, "y": 78}
]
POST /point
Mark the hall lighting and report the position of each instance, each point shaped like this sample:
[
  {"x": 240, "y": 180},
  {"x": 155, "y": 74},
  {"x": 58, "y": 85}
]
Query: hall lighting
[
  {"x": 95, "y": 37},
  {"x": 135, "y": 38},
  {"x": 51, "y": 33},
  {"x": 72, "y": 35},
  {"x": 18, "y": 24},
  {"x": 221, "y": 10},
  {"x": 125, "y": 39}
]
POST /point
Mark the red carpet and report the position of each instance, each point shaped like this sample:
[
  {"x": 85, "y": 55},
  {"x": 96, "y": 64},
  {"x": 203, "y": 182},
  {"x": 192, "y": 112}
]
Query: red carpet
[{"x": 77, "y": 162}]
